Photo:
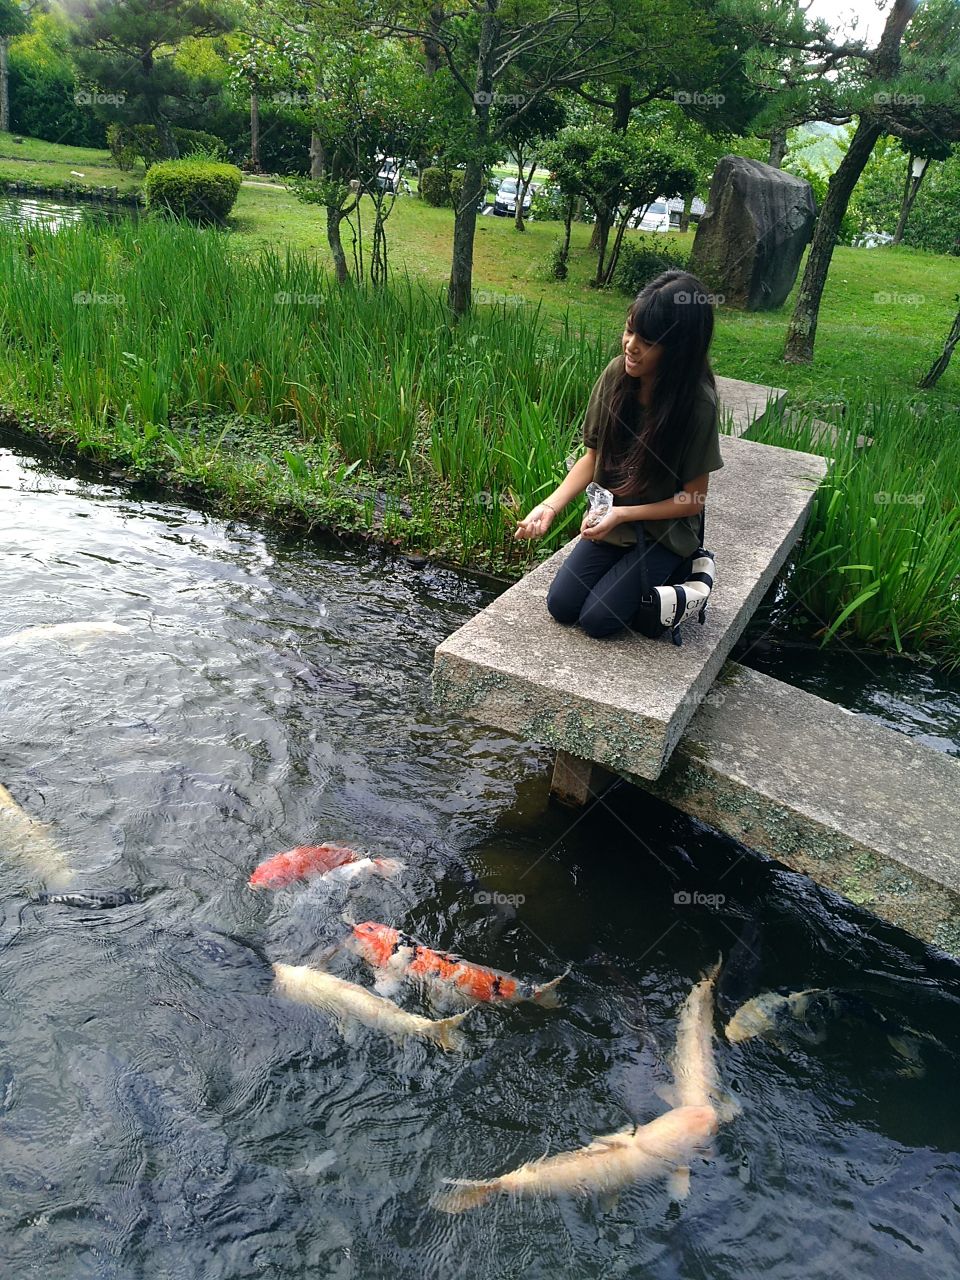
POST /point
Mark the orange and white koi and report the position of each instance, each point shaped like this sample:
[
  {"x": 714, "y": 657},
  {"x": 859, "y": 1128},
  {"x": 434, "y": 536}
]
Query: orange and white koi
[
  {"x": 334, "y": 861},
  {"x": 397, "y": 956}
]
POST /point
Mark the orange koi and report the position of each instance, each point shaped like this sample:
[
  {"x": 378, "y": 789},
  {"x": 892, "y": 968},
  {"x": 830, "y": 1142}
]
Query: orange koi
[
  {"x": 398, "y": 956},
  {"x": 334, "y": 860}
]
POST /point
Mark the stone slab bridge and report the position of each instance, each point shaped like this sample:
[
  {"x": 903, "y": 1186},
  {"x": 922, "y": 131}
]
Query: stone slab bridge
[{"x": 862, "y": 809}]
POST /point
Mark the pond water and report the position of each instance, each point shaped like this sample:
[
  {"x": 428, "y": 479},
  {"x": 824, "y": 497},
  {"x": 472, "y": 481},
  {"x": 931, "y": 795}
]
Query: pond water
[
  {"x": 162, "y": 1114},
  {"x": 53, "y": 214}
]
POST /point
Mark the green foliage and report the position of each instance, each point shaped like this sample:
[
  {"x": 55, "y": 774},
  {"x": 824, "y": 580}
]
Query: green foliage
[
  {"x": 456, "y": 187},
  {"x": 643, "y": 258},
  {"x": 200, "y": 190},
  {"x": 880, "y": 558},
  {"x": 43, "y": 88},
  {"x": 802, "y": 168},
  {"x": 192, "y": 142},
  {"x": 435, "y": 186},
  {"x": 934, "y": 222},
  {"x": 555, "y": 267},
  {"x": 548, "y": 204}
]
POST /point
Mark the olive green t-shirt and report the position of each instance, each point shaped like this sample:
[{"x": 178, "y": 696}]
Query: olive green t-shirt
[{"x": 701, "y": 453}]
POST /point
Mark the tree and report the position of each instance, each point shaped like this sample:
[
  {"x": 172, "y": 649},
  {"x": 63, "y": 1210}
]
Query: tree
[
  {"x": 536, "y": 47},
  {"x": 369, "y": 100},
  {"x": 914, "y": 96},
  {"x": 525, "y": 137},
  {"x": 13, "y": 21},
  {"x": 930, "y": 378},
  {"x": 127, "y": 48}
]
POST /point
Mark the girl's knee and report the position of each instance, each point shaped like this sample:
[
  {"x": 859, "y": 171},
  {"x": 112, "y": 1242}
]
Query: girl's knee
[
  {"x": 597, "y": 621},
  {"x": 560, "y": 608}
]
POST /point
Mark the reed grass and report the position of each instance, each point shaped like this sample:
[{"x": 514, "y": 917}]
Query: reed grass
[
  {"x": 880, "y": 561},
  {"x": 259, "y": 381}
]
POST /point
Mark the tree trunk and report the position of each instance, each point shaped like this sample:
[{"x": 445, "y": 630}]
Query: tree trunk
[
  {"x": 778, "y": 147},
  {"x": 334, "y": 215},
  {"x": 941, "y": 362},
  {"x": 317, "y": 158},
  {"x": 4, "y": 85},
  {"x": 254, "y": 132},
  {"x": 604, "y": 225},
  {"x": 460, "y": 289},
  {"x": 803, "y": 323},
  {"x": 524, "y": 185},
  {"x": 611, "y": 266},
  {"x": 910, "y": 189},
  {"x": 685, "y": 213},
  {"x": 568, "y": 224},
  {"x": 622, "y": 107}
]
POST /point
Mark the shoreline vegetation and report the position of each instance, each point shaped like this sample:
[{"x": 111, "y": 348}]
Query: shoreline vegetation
[{"x": 267, "y": 390}]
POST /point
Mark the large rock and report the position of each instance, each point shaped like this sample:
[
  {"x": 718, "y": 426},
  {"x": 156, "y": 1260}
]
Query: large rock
[{"x": 750, "y": 240}]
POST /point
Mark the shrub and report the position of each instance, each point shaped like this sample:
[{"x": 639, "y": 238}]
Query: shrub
[
  {"x": 129, "y": 143},
  {"x": 548, "y": 205},
  {"x": 642, "y": 259},
  {"x": 435, "y": 186},
  {"x": 456, "y": 187},
  {"x": 201, "y": 190},
  {"x": 43, "y": 104},
  {"x": 190, "y": 141},
  {"x": 555, "y": 265}
]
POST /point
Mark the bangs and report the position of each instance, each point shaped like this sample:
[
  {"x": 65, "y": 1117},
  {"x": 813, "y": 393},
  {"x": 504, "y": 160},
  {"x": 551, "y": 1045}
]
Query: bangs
[{"x": 652, "y": 321}]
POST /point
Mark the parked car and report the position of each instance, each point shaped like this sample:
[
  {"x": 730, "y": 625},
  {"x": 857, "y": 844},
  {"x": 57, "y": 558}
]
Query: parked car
[
  {"x": 506, "y": 202},
  {"x": 656, "y": 217},
  {"x": 872, "y": 239}
]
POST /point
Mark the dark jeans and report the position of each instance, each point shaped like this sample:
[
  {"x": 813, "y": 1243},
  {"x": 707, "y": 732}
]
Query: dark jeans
[{"x": 598, "y": 585}]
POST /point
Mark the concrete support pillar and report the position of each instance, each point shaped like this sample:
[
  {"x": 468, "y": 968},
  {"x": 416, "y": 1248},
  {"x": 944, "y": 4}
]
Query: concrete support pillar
[{"x": 576, "y": 782}]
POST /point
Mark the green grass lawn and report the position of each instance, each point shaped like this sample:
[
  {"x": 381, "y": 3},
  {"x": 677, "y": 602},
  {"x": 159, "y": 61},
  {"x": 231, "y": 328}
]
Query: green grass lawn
[
  {"x": 864, "y": 341},
  {"x": 55, "y": 165}
]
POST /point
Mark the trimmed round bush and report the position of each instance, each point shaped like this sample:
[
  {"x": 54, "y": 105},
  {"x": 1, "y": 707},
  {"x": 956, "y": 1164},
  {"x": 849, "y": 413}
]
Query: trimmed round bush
[
  {"x": 435, "y": 186},
  {"x": 200, "y": 190}
]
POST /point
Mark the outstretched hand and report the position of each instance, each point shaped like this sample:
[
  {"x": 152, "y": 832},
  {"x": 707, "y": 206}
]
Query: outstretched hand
[
  {"x": 536, "y": 524},
  {"x": 606, "y": 524}
]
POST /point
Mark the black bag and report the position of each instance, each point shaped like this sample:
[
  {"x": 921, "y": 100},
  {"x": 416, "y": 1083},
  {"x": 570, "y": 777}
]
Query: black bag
[{"x": 682, "y": 597}]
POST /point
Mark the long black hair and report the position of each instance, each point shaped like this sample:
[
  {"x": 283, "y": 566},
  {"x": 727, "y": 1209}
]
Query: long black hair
[{"x": 674, "y": 310}]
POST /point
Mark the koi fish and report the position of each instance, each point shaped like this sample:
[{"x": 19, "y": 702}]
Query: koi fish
[
  {"x": 334, "y": 861},
  {"x": 83, "y": 632},
  {"x": 398, "y": 956},
  {"x": 760, "y": 1016},
  {"x": 30, "y": 842},
  {"x": 768, "y": 1013},
  {"x": 348, "y": 1000},
  {"x": 608, "y": 1164},
  {"x": 696, "y": 1082}
]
